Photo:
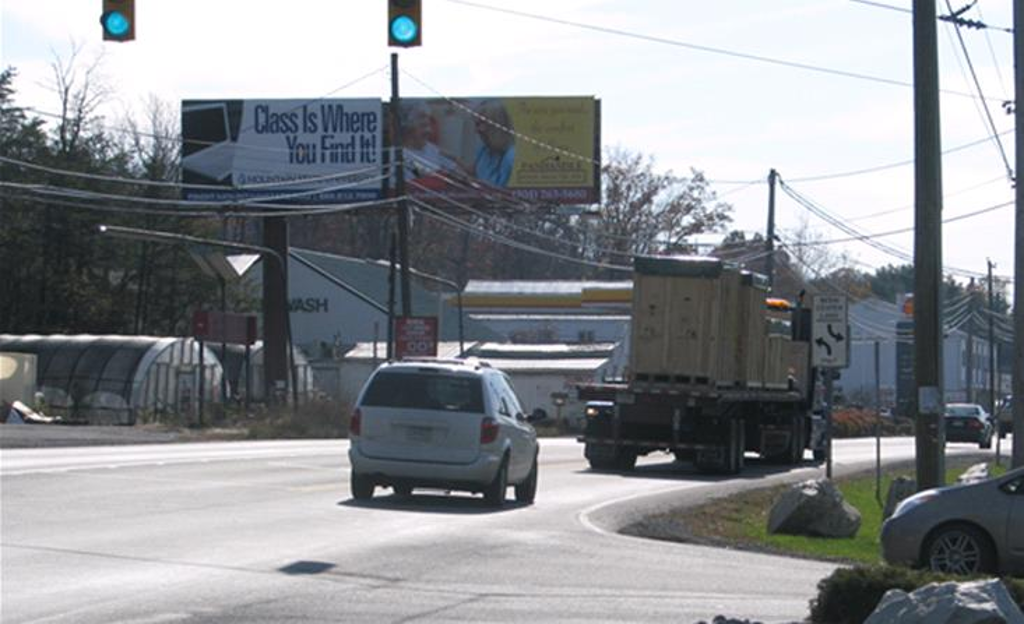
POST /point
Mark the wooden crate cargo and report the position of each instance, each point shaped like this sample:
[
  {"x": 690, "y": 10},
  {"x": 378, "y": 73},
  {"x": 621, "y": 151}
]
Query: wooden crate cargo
[
  {"x": 754, "y": 289},
  {"x": 797, "y": 361},
  {"x": 776, "y": 364},
  {"x": 742, "y": 337},
  {"x": 675, "y": 338}
]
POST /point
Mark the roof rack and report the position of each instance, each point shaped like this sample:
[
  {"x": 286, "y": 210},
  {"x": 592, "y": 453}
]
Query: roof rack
[{"x": 473, "y": 361}]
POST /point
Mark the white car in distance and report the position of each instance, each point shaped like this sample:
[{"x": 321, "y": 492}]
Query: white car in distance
[{"x": 443, "y": 424}]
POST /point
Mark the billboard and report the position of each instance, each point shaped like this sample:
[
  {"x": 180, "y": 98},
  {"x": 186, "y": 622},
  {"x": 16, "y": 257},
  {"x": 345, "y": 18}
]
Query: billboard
[
  {"x": 539, "y": 149},
  {"x": 321, "y": 151}
]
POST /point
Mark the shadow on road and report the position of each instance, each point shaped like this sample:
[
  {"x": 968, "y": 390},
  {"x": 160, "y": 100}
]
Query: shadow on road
[
  {"x": 755, "y": 469},
  {"x": 433, "y": 501}
]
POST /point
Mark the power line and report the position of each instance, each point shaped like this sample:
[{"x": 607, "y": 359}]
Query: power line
[
  {"x": 977, "y": 86},
  {"x": 698, "y": 47},
  {"x": 870, "y": 238},
  {"x": 432, "y": 212},
  {"x": 181, "y": 185},
  {"x": 945, "y": 18},
  {"x": 191, "y": 209},
  {"x": 893, "y": 165}
]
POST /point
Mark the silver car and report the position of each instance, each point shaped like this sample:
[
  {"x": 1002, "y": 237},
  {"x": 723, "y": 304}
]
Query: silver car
[
  {"x": 963, "y": 529},
  {"x": 447, "y": 424}
]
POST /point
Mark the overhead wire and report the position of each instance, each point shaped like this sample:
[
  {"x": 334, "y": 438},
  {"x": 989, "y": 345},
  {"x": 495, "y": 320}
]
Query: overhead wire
[
  {"x": 984, "y": 103},
  {"x": 870, "y": 238},
  {"x": 181, "y": 185},
  {"x": 239, "y": 210},
  {"x": 698, "y": 47},
  {"x": 433, "y": 212}
]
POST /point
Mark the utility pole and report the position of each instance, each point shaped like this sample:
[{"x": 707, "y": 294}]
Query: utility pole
[
  {"x": 1018, "y": 273},
  {"x": 992, "y": 350},
  {"x": 275, "y": 310},
  {"x": 930, "y": 431},
  {"x": 969, "y": 364},
  {"x": 391, "y": 298},
  {"x": 401, "y": 205},
  {"x": 878, "y": 422},
  {"x": 770, "y": 260}
]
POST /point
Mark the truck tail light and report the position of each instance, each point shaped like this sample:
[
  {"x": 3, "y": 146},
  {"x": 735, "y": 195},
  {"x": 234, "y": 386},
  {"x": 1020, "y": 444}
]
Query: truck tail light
[
  {"x": 488, "y": 430},
  {"x": 355, "y": 424}
]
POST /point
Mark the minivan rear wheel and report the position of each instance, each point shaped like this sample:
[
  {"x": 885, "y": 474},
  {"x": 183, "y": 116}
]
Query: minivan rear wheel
[
  {"x": 526, "y": 491},
  {"x": 494, "y": 495},
  {"x": 362, "y": 486}
]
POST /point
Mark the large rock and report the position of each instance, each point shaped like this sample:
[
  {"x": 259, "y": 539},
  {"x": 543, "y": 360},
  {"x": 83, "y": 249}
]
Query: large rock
[
  {"x": 815, "y": 508},
  {"x": 977, "y": 602},
  {"x": 900, "y": 488},
  {"x": 977, "y": 472}
]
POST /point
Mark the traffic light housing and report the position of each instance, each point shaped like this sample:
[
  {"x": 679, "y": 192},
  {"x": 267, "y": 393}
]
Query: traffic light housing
[
  {"x": 118, "y": 20},
  {"x": 405, "y": 23}
]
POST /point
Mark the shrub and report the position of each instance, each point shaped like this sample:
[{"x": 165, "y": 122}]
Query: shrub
[
  {"x": 315, "y": 419},
  {"x": 850, "y": 595},
  {"x": 855, "y": 423}
]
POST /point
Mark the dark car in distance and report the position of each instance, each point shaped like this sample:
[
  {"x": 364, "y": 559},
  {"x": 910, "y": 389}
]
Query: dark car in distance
[{"x": 969, "y": 422}]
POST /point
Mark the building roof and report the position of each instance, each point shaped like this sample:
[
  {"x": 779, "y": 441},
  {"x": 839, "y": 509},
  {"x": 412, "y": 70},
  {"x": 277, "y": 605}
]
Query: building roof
[
  {"x": 583, "y": 365},
  {"x": 542, "y": 294},
  {"x": 497, "y": 316},
  {"x": 488, "y": 350},
  {"x": 370, "y": 279},
  {"x": 541, "y": 287},
  {"x": 365, "y": 350}
]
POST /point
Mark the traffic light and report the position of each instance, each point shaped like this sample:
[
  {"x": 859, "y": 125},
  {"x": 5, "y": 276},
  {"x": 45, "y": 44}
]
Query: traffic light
[
  {"x": 405, "y": 23},
  {"x": 118, "y": 20}
]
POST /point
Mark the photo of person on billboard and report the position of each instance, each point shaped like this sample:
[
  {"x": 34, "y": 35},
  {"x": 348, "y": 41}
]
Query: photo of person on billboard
[
  {"x": 495, "y": 158},
  {"x": 423, "y": 156}
]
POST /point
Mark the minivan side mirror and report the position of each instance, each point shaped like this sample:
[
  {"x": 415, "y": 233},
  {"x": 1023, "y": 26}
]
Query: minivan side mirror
[{"x": 538, "y": 415}]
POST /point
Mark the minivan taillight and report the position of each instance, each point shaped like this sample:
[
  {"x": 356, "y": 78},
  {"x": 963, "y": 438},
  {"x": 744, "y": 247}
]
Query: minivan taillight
[
  {"x": 355, "y": 423},
  {"x": 488, "y": 430}
]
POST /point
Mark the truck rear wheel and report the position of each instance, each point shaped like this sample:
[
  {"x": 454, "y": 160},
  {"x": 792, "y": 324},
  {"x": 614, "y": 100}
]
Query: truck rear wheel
[
  {"x": 728, "y": 457},
  {"x": 609, "y": 457}
]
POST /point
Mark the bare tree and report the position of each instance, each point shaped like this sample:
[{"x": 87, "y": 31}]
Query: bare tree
[
  {"x": 81, "y": 90},
  {"x": 645, "y": 211}
]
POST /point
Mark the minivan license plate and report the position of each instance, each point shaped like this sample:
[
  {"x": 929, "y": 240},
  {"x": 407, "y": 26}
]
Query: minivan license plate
[{"x": 418, "y": 434}]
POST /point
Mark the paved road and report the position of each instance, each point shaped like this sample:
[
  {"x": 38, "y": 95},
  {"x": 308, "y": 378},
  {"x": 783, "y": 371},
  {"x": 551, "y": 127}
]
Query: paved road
[{"x": 266, "y": 532}]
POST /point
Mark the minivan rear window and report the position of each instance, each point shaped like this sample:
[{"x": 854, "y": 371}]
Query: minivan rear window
[{"x": 428, "y": 391}]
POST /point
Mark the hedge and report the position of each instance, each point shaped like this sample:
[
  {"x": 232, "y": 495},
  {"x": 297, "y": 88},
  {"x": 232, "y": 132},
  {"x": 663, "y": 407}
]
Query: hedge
[{"x": 850, "y": 595}]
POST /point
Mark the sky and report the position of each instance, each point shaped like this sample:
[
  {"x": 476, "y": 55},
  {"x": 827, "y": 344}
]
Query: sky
[{"x": 819, "y": 90}]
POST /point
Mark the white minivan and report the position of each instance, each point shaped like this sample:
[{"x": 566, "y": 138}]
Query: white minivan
[{"x": 447, "y": 424}]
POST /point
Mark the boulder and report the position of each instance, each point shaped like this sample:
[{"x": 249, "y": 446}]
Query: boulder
[
  {"x": 816, "y": 508},
  {"x": 976, "y": 602},
  {"x": 977, "y": 472},
  {"x": 900, "y": 488}
]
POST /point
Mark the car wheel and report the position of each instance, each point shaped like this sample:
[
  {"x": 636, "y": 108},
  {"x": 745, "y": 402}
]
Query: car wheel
[
  {"x": 362, "y": 486},
  {"x": 402, "y": 491},
  {"x": 527, "y": 490},
  {"x": 960, "y": 549},
  {"x": 494, "y": 495}
]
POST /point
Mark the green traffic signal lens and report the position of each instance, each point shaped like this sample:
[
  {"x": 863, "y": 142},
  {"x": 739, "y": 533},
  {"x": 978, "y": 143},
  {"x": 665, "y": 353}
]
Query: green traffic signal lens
[
  {"x": 404, "y": 29},
  {"x": 115, "y": 23}
]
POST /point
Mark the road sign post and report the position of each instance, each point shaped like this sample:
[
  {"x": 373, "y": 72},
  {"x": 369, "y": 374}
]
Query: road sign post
[
  {"x": 415, "y": 336},
  {"x": 830, "y": 350}
]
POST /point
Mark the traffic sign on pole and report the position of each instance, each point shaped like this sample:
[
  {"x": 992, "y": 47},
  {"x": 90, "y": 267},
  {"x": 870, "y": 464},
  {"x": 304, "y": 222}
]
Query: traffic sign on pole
[
  {"x": 830, "y": 334},
  {"x": 415, "y": 336}
]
